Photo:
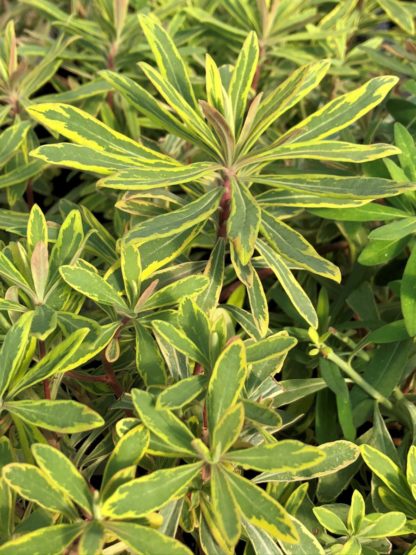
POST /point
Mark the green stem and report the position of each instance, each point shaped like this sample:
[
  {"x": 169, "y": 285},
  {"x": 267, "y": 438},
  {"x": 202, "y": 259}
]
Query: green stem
[{"x": 358, "y": 379}]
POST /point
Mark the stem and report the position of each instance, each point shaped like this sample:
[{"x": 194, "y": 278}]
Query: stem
[
  {"x": 358, "y": 379},
  {"x": 225, "y": 208},
  {"x": 111, "y": 378},
  {"x": 29, "y": 195},
  {"x": 46, "y": 383}
]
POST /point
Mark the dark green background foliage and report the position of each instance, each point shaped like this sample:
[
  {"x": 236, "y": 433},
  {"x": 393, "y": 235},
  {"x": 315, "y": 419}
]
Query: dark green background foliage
[{"x": 207, "y": 277}]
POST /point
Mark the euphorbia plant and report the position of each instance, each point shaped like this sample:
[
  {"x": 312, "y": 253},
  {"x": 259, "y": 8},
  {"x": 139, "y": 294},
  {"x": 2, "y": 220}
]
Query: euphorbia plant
[{"x": 233, "y": 143}]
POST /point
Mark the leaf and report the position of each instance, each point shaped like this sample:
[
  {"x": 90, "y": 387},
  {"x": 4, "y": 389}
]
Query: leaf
[
  {"x": 31, "y": 483},
  {"x": 285, "y": 96},
  {"x": 131, "y": 271},
  {"x": 387, "y": 471},
  {"x": 295, "y": 248},
  {"x": 181, "y": 393},
  {"x": 92, "y": 540},
  {"x": 226, "y": 382},
  {"x": 394, "y": 230},
  {"x": 68, "y": 417},
  {"x": 196, "y": 326},
  {"x": 214, "y": 271},
  {"x": 408, "y": 294},
  {"x": 291, "y": 286},
  {"x": 128, "y": 451},
  {"x": 55, "y": 361},
  {"x": 167, "y": 57},
  {"x": 330, "y": 520},
  {"x": 148, "y": 178},
  {"x": 227, "y": 430},
  {"x": 341, "y": 112},
  {"x": 262, "y": 510},
  {"x": 39, "y": 264},
  {"x": 244, "y": 221},
  {"x": 149, "y": 361},
  {"x": 338, "y": 455},
  {"x": 386, "y": 525},
  {"x": 175, "y": 292},
  {"x": 162, "y": 423},
  {"x": 337, "y": 151},
  {"x": 141, "y": 539},
  {"x": 286, "y": 455},
  {"x": 63, "y": 474},
  {"x": 89, "y": 283},
  {"x": 48, "y": 541},
  {"x": 242, "y": 77},
  {"x": 149, "y": 493},
  {"x": 83, "y": 129},
  {"x": 224, "y": 505},
  {"x": 14, "y": 349},
  {"x": 178, "y": 220},
  {"x": 399, "y": 14},
  {"x": 357, "y": 188},
  {"x": 37, "y": 229},
  {"x": 11, "y": 139}
]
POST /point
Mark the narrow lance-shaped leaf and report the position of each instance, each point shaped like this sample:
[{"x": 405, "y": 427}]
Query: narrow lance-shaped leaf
[
  {"x": 225, "y": 506},
  {"x": 64, "y": 417},
  {"x": 83, "y": 129},
  {"x": 242, "y": 78},
  {"x": 63, "y": 474},
  {"x": 291, "y": 286},
  {"x": 57, "y": 538},
  {"x": 226, "y": 382},
  {"x": 341, "y": 112},
  {"x": 149, "y": 493},
  {"x": 244, "y": 221}
]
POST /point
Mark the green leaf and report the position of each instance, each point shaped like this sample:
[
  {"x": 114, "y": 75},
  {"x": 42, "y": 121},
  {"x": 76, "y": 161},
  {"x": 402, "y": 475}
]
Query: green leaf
[
  {"x": 11, "y": 139},
  {"x": 356, "y": 513},
  {"x": 56, "y": 361},
  {"x": 173, "y": 293},
  {"x": 14, "y": 349},
  {"x": 70, "y": 237},
  {"x": 172, "y": 223},
  {"x": 227, "y": 430},
  {"x": 48, "y": 541},
  {"x": 92, "y": 540},
  {"x": 285, "y": 96},
  {"x": 162, "y": 423},
  {"x": 384, "y": 526},
  {"x": 214, "y": 271},
  {"x": 148, "y": 178},
  {"x": 387, "y": 471},
  {"x": 244, "y": 221},
  {"x": 37, "y": 229},
  {"x": 286, "y": 455},
  {"x": 408, "y": 294},
  {"x": 68, "y": 417},
  {"x": 337, "y": 151},
  {"x": 181, "y": 393},
  {"x": 224, "y": 505},
  {"x": 262, "y": 510},
  {"x": 291, "y": 286},
  {"x": 360, "y": 188},
  {"x": 167, "y": 57},
  {"x": 226, "y": 382},
  {"x": 83, "y": 129},
  {"x": 196, "y": 326},
  {"x": 149, "y": 361},
  {"x": 341, "y": 112},
  {"x": 242, "y": 78},
  {"x": 330, "y": 520},
  {"x": 89, "y": 283},
  {"x": 141, "y": 539},
  {"x": 63, "y": 474},
  {"x": 128, "y": 451},
  {"x": 39, "y": 265},
  {"x": 399, "y": 14},
  {"x": 295, "y": 248},
  {"x": 149, "y": 493},
  {"x": 338, "y": 455},
  {"x": 32, "y": 484},
  {"x": 394, "y": 230}
]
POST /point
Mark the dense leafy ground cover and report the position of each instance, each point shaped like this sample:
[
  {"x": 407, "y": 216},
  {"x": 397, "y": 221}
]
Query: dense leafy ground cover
[{"x": 207, "y": 277}]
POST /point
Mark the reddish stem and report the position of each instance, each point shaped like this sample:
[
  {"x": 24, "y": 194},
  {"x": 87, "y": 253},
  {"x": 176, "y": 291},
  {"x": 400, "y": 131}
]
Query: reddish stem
[
  {"x": 225, "y": 207},
  {"x": 29, "y": 195},
  {"x": 111, "y": 378}
]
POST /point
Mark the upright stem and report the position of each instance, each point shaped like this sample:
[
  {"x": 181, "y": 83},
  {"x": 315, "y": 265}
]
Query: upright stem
[
  {"x": 46, "y": 383},
  {"x": 358, "y": 379},
  {"x": 225, "y": 206}
]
